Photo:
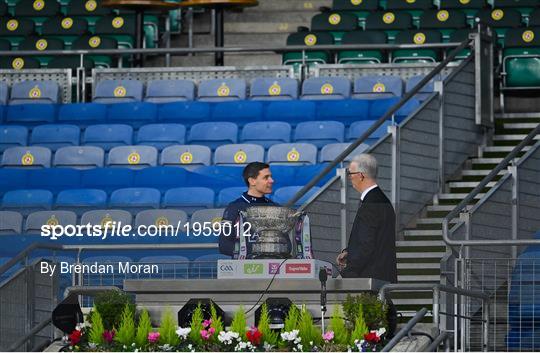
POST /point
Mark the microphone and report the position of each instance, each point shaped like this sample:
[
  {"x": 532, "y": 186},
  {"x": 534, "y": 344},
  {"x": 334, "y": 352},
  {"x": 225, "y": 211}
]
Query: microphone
[{"x": 323, "y": 276}]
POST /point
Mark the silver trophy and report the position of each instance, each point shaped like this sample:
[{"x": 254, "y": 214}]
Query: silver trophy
[{"x": 272, "y": 224}]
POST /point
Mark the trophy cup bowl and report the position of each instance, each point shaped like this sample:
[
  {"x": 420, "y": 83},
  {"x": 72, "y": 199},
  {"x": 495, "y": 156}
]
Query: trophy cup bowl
[{"x": 273, "y": 225}]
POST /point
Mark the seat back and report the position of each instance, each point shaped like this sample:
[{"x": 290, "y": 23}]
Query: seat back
[
  {"x": 108, "y": 136},
  {"x": 79, "y": 157},
  {"x": 319, "y": 133},
  {"x": 55, "y": 136},
  {"x": 12, "y": 136},
  {"x": 163, "y": 91},
  {"x": 317, "y": 88},
  {"x": 187, "y": 156},
  {"x": 270, "y": 88},
  {"x": 266, "y": 133},
  {"x": 36, "y": 220},
  {"x": 161, "y": 135},
  {"x": 35, "y": 92},
  {"x": 292, "y": 153},
  {"x": 27, "y": 201},
  {"x": 238, "y": 154},
  {"x": 10, "y": 223},
  {"x": 118, "y": 91},
  {"x": 213, "y": 134},
  {"x": 135, "y": 198},
  {"x": 378, "y": 87},
  {"x": 220, "y": 90},
  {"x": 27, "y": 157},
  {"x": 134, "y": 157}
]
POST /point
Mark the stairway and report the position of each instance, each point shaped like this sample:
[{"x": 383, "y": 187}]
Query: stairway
[
  {"x": 422, "y": 249},
  {"x": 267, "y": 24}
]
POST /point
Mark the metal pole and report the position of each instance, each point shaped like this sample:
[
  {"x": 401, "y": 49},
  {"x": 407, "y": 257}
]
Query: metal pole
[
  {"x": 396, "y": 150},
  {"x": 405, "y": 330},
  {"x": 219, "y": 42},
  {"x": 513, "y": 170},
  {"x": 439, "y": 87},
  {"x": 343, "y": 205},
  {"x": 485, "y": 314},
  {"x": 436, "y": 318}
]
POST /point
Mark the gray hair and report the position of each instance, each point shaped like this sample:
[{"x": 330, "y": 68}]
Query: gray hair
[{"x": 367, "y": 164}]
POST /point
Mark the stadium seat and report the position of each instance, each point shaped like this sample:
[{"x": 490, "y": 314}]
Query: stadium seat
[
  {"x": 187, "y": 156},
  {"x": 30, "y": 114},
  {"x": 326, "y": 88},
  {"x": 27, "y": 92},
  {"x": 378, "y": 86},
  {"x": 35, "y": 220},
  {"x": 55, "y": 136},
  {"x": 27, "y": 157},
  {"x": 67, "y": 29},
  {"x": 12, "y": 136},
  {"x": 161, "y": 178},
  {"x": 459, "y": 36},
  {"x": 171, "y": 267},
  {"x": 10, "y": 222},
  {"x": 219, "y": 90},
  {"x": 213, "y": 134},
  {"x": 413, "y": 7},
  {"x": 107, "y": 179},
  {"x": 372, "y": 56},
  {"x": 5, "y": 45},
  {"x": 388, "y": 21},
  {"x": 534, "y": 18},
  {"x": 346, "y": 111},
  {"x": 238, "y": 112},
  {"x": 82, "y": 113},
  {"x": 81, "y": 200},
  {"x": 134, "y": 157},
  {"x": 500, "y": 20},
  {"x": 90, "y": 42},
  {"x": 161, "y": 218},
  {"x": 270, "y": 88},
  {"x": 189, "y": 199},
  {"x": 238, "y": 154},
  {"x": 121, "y": 28},
  {"x": 417, "y": 37},
  {"x": 101, "y": 217},
  {"x": 228, "y": 195},
  {"x": 266, "y": 133},
  {"x": 284, "y": 194},
  {"x": 4, "y": 92},
  {"x": 164, "y": 91},
  {"x": 79, "y": 157},
  {"x": 70, "y": 62},
  {"x": 12, "y": 179},
  {"x": 521, "y": 57},
  {"x": 206, "y": 266},
  {"x": 105, "y": 279},
  {"x": 332, "y": 150},
  {"x": 290, "y": 112},
  {"x": 446, "y": 21},
  {"x": 54, "y": 179},
  {"x": 27, "y": 201},
  {"x": 135, "y": 199},
  {"x": 425, "y": 91},
  {"x": 108, "y": 136},
  {"x": 470, "y": 8},
  {"x": 319, "y": 133},
  {"x": 161, "y": 135},
  {"x": 357, "y": 129},
  {"x": 292, "y": 154},
  {"x": 309, "y": 38},
  {"x": 15, "y": 30},
  {"x": 187, "y": 113},
  {"x": 90, "y": 10},
  {"x": 135, "y": 114},
  {"x": 118, "y": 91},
  {"x": 36, "y": 11},
  {"x": 41, "y": 44},
  {"x": 18, "y": 63},
  {"x": 207, "y": 215},
  {"x": 337, "y": 23}
]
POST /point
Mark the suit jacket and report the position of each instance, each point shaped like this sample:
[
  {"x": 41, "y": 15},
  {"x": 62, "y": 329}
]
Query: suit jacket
[{"x": 372, "y": 242}]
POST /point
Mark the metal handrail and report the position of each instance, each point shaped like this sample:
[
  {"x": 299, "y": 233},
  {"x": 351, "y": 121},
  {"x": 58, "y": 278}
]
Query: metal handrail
[
  {"x": 405, "y": 330},
  {"x": 35, "y": 330},
  {"x": 437, "y": 341},
  {"x": 488, "y": 178},
  {"x": 408, "y": 95}
]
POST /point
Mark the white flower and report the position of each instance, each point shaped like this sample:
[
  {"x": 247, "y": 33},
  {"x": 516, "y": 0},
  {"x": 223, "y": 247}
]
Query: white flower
[
  {"x": 136, "y": 350},
  {"x": 166, "y": 347},
  {"x": 183, "y": 332},
  {"x": 290, "y": 336},
  {"x": 267, "y": 346},
  {"x": 299, "y": 347},
  {"x": 190, "y": 346},
  {"x": 92, "y": 345},
  {"x": 228, "y": 337},
  {"x": 380, "y": 332},
  {"x": 124, "y": 346},
  {"x": 133, "y": 345}
]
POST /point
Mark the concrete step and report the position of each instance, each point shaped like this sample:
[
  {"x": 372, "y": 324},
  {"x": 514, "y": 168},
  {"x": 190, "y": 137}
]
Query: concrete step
[
  {"x": 262, "y": 27},
  {"x": 502, "y": 149},
  {"x": 468, "y": 184},
  {"x": 420, "y": 255},
  {"x": 480, "y": 172},
  {"x": 281, "y": 16},
  {"x": 289, "y": 5},
  {"x": 419, "y": 278},
  {"x": 517, "y": 116},
  {"x": 520, "y": 126},
  {"x": 486, "y": 160},
  {"x": 419, "y": 243},
  {"x": 420, "y": 233},
  {"x": 444, "y": 208},
  {"x": 246, "y": 59},
  {"x": 513, "y": 137},
  {"x": 415, "y": 266},
  {"x": 243, "y": 40}
]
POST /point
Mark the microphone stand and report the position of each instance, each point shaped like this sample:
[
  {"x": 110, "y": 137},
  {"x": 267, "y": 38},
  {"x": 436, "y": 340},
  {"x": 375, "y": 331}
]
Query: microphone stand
[{"x": 323, "y": 276}]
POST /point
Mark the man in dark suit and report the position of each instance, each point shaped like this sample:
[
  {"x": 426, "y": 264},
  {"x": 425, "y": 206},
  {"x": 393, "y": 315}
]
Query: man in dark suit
[{"x": 371, "y": 251}]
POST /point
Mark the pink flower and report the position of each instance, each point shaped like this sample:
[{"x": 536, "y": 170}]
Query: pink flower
[
  {"x": 108, "y": 336},
  {"x": 328, "y": 336},
  {"x": 207, "y": 323},
  {"x": 153, "y": 337},
  {"x": 205, "y": 334}
]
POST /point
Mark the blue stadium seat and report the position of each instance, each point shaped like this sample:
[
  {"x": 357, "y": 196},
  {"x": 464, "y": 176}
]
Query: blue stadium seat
[
  {"x": 81, "y": 200},
  {"x": 319, "y": 133},
  {"x": 35, "y": 220},
  {"x": 10, "y": 223},
  {"x": 425, "y": 91},
  {"x": 207, "y": 215},
  {"x": 164, "y": 91},
  {"x": 106, "y": 279},
  {"x": 108, "y": 136},
  {"x": 135, "y": 199},
  {"x": 134, "y": 157},
  {"x": 12, "y": 136},
  {"x": 228, "y": 195},
  {"x": 291, "y": 112},
  {"x": 79, "y": 157},
  {"x": 134, "y": 114},
  {"x": 407, "y": 109},
  {"x": 213, "y": 134},
  {"x": 332, "y": 150},
  {"x": 161, "y": 217},
  {"x": 100, "y": 217},
  {"x": 4, "y": 93},
  {"x": 107, "y": 179},
  {"x": 172, "y": 266},
  {"x": 54, "y": 179},
  {"x": 239, "y": 112},
  {"x": 271, "y": 88},
  {"x": 222, "y": 89},
  {"x": 292, "y": 154},
  {"x": 238, "y": 154},
  {"x": 161, "y": 135},
  {"x": 317, "y": 88},
  {"x": 187, "y": 156},
  {"x": 118, "y": 91},
  {"x": 30, "y": 114},
  {"x": 206, "y": 266},
  {"x": 12, "y": 179},
  {"x": 346, "y": 111},
  {"x": 82, "y": 114},
  {"x": 284, "y": 194},
  {"x": 378, "y": 86},
  {"x": 266, "y": 133},
  {"x": 358, "y": 128},
  {"x": 189, "y": 199},
  {"x": 27, "y": 157},
  {"x": 27, "y": 201},
  {"x": 55, "y": 136},
  {"x": 226, "y": 175},
  {"x": 187, "y": 113},
  {"x": 35, "y": 92},
  {"x": 161, "y": 178}
]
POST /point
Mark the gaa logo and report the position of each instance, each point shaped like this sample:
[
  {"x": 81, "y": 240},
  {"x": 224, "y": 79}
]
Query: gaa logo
[
  {"x": 53, "y": 221},
  {"x": 419, "y": 38},
  {"x": 310, "y": 40},
  {"x": 443, "y": 15},
  {"x": 379, "y": 88},
  {"x": 41, "y": 44},
  {"x": 356, "y": 2},
  {"x": 527, "y": 36},
  {"x": 162, "y": 222},
  {"x": 117, "y": 22},
  {"x": 17, "y": 63},
  {"x": 389, "y": 18},
  {"x": 240, "y": 157},
  {"x": 12, "y": 25},
  {"x": 226, "y": 268},
  {"x": 67, "y": 23},
  {"x": 223, "y": 90},
  {"x": 120, "y": 91},
  {"x": 334, "y": 19},
  {"x": 274, "y": 90},
  {"x": 94, "y": 42},
  {"x": 497, "y": 15},
  {"x": 186, "y": 158},
  {"x": 39, "y": 5},
  {"x": 134, "y": 158},
  {"x": 106, "y": 222},
  {"x": 27, "y": 159},
  {"x": 293, "y": 155},
  {"x": 34, "y": 93},
  {"x": 327, "y": 89},
  {"x": 90, "y": 5}
]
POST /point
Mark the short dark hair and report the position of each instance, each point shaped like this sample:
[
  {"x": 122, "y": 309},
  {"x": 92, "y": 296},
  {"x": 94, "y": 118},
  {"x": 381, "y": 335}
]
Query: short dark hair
[{"x": 252, "y": 170}]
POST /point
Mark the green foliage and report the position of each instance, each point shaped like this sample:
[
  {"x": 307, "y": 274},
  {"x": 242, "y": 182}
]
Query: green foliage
[
  {"x": 239, "y": 323},
  {"x": 291, "y": 321},
  {"x": 269, "y": 336},
  {"x": 337, "y": 324},
  {"x": 374, "y": 311},
  {"x": 144, "y": 327},
  {"x": 196, "y": 325},
  {"x": 110, "y": 305},
  {"x": 167, "y": 329},
  {"x": 308, "y": 331},
  {"x": 126, "y": 330},
  {"x": 217, "y": 323},
  {"x": 360, "y": 327},
  {"x": 96, "y": 331}
]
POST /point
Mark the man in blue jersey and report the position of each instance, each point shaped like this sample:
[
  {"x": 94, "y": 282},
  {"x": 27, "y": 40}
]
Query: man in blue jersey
[{"x": 259, "y": 182}]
